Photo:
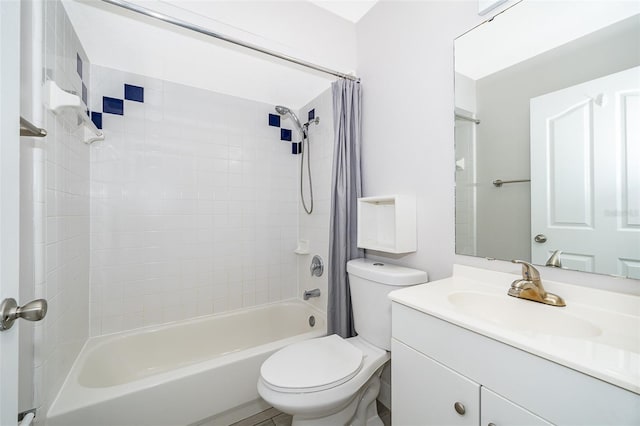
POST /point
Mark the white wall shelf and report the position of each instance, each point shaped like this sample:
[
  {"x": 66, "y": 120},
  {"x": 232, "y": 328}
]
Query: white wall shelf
[
  {"x": 58, "y": 100},
  {"x": 387, "y": 223}
]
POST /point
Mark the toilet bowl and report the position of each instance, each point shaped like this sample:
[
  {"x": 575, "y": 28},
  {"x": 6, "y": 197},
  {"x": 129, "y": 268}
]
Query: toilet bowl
[
  {"x": 323, "y": 381},
  {"x": 335, "y": 381}
]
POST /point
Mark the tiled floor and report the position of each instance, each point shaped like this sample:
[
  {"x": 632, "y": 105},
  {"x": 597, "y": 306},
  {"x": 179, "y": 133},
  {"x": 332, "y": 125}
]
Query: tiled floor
[
  {"x": 273, "y": 417},
  {"x": 268, "y": 417}
]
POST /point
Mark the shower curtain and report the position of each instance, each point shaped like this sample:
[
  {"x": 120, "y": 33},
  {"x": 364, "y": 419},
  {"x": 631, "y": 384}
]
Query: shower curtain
[{"x": 346, "y": 188}]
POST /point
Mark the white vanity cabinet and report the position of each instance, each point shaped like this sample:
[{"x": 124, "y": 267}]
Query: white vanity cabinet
[
  {"x": 436, "y": 364},
  {"x": 455, "y": 400}
]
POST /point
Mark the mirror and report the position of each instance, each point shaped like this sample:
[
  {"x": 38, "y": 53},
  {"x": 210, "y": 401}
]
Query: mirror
[{"x": 547, "y": 135}]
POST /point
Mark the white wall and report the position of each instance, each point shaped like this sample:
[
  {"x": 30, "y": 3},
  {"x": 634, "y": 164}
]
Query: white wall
[
  {"x": 465, "y": 96},
  {"x": 405, "y": 60},
  {"x": 60, "y": 336},
  {"x": 193, "y": 205},
  {"x": 315, "y": 227}
]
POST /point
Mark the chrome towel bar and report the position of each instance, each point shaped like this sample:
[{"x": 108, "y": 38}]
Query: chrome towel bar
[
  {"x": 29, "y": 129},
  {"x": 499, "y": 182}
]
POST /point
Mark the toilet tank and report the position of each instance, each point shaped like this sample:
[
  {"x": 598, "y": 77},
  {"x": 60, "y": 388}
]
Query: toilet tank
[{"x": 370, "y": 283}]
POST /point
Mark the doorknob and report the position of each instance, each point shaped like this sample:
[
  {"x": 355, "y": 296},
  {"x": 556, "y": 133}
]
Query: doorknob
[
  {"x": 10, "y": 311},
  {"x": 540, "y": 238}
]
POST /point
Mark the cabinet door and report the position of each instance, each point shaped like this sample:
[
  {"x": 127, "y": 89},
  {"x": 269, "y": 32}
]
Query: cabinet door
[
  {"x": 498, "y": 411},
  {"x": 425, "y": 392}
]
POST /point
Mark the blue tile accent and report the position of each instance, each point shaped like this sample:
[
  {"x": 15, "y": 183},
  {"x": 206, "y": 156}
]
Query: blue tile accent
[
  {"x": 133, "y": 93},
  {"x": 96, "y": 117},
  {"x": 296, "y": 147},
  {"x": 84, "y": 93},
  {"x": 79, "y": 65},
  {"x": 312, "y": 114},
  {"x": 112, "y": 105},
  {"x": 285, "y": 135},
  {"x": 274, "y": 120}
]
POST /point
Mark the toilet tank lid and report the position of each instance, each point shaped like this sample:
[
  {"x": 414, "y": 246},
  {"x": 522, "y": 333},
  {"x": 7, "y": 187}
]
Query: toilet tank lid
[{"x": 385, "y": 273}]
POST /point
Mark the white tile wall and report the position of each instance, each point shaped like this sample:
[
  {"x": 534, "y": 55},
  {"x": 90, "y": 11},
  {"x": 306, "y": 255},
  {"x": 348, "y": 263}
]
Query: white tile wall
[
  {"x": 315, "y": 227},
  {"x": 193, "y": 206},
  {"x": 61, "y": 218}
]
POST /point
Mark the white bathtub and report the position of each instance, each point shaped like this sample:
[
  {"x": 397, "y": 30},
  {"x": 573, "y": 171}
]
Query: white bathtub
[{"x": 180, "y": 373}]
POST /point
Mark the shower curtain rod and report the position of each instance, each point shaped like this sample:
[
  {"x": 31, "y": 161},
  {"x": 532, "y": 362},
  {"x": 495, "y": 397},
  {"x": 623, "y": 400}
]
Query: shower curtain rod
[
  {"x": 464, "y": 117},
  {"x": 201, "y": 30}
]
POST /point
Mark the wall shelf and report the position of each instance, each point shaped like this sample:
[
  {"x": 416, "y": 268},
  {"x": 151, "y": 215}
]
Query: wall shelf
[
  {"x": 59, "y": 100},
  {"x": 387, "y": 223}
]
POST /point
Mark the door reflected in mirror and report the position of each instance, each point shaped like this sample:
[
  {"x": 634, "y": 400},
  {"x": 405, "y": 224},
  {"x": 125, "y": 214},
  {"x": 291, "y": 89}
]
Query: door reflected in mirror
[{"x": 547, "y": 136}]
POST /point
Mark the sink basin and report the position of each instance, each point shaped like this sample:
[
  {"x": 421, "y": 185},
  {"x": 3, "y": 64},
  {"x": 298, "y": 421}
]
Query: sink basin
[
  {"x": 597, "y": 333},
  {"x": 522, "y": 315}
]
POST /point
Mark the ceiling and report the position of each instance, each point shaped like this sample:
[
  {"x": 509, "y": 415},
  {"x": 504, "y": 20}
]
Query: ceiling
[
  {"x": 485, "y": 50},
  {"x": 115, "y": 38},
  {"x": 351, "y": 10}
]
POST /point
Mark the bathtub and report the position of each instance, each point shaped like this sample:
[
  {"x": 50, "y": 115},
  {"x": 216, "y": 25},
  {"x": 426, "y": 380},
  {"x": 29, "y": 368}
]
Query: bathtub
[{"x": 182, "y": 373}]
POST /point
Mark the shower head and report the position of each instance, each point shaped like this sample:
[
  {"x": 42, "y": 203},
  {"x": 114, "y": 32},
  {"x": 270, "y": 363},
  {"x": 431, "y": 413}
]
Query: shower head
[{"x": 283, "y": 110}]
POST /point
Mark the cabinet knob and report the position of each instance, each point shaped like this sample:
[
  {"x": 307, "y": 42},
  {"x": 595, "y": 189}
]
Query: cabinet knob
[
  {"x": 459, "y": 408},
  {"x": 491, "y": 424}
]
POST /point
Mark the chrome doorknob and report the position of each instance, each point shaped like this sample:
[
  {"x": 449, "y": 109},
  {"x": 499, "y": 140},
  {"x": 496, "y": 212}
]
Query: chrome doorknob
[
  {"x": 540, "y": 238},
  {"x": 10, "y": 311}
]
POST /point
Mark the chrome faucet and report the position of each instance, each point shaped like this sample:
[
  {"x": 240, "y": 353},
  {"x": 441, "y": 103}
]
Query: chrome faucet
[
  {"x": 530, "y": 287},
  {"x": 311, "y": 293},
  {"x": 554, "y": 261}
]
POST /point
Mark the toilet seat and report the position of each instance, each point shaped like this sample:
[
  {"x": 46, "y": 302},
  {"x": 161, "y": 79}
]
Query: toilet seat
[{"x": 312, "y": 365}]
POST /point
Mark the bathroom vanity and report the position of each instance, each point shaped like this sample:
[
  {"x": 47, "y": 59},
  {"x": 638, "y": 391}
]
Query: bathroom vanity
[{"x": 466, "y": 353}]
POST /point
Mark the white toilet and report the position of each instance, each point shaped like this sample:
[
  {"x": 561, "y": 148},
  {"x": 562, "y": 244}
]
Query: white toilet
[{"x": 335, "y": 381}]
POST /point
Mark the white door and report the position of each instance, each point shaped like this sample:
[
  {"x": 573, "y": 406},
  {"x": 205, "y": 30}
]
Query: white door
[
  {"x": 9, "y": 199},
  {"x": 585, "y": 175}
]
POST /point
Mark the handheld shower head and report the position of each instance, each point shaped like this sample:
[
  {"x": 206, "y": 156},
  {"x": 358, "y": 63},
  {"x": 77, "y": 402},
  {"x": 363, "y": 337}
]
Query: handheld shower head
[{"x": 283, "y": 110}]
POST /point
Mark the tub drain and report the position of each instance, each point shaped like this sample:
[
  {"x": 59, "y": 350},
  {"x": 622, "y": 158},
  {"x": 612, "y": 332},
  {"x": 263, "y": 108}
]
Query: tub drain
[{"x": 312, "y": 320}]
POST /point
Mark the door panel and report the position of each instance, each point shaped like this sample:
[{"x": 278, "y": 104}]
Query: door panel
[
  {"x": 585, "y": 182},
  {"x": 570, "y": 189},
  {"x": 629, "y": 131}
]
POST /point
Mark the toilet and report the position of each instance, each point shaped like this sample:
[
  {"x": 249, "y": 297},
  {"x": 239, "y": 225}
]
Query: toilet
[{"x": 335, "y": 381}]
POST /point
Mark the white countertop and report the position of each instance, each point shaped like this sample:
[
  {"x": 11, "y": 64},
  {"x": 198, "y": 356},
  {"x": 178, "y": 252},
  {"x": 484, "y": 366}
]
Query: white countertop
[{"x": 597, "y": 333}]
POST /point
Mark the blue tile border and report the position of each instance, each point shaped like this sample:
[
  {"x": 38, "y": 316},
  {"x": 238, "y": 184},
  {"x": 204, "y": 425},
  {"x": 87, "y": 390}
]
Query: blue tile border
[
  {"x": 274, "y": 120},
  {"x": 133, "y": 93},
  {"x": 112, "y": 105},
  {"x": 285, "y": 135},
  {"x": 296, "y": 147},
  {"x": 96, "y": 117},
  {"x": 312, "y": 114}
]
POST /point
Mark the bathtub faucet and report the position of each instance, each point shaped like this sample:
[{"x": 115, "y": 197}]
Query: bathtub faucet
[{"x": 311, "y": 293}]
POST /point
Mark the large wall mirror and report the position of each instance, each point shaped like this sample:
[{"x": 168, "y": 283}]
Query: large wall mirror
[{"x": 548, "y": 136}]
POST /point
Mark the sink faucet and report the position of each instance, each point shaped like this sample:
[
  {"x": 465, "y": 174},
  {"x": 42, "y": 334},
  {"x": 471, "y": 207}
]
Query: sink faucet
[{"x": 530, "y": 287}]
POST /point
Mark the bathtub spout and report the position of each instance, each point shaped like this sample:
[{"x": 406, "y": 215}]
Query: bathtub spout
[{"x": 311, "y": 293}]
